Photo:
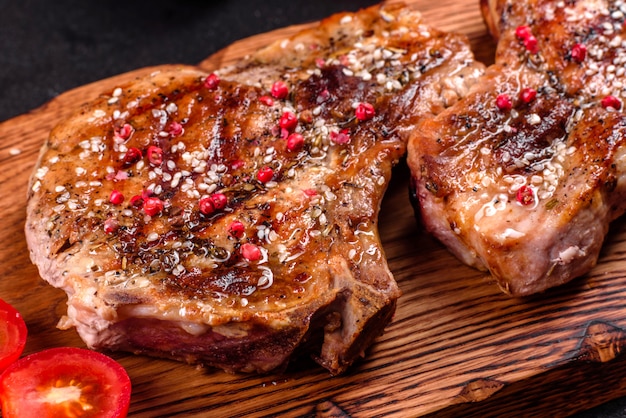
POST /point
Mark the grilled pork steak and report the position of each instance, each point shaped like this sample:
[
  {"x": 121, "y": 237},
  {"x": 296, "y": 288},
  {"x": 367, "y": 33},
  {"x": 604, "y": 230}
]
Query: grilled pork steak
[
  {"x": 523, "y": 176},
  {"x": 230, "y": 218}
]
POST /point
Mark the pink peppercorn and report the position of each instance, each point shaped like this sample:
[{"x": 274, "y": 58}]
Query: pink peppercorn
[
  {"x": 279, "y": 90},
  {"x": 265, "y": 174},
  {"x": 288, "y": 121},
  {"x": 155, "y": 155},
  {"x": 531, "y": 44},
  {"x": 237, "y": 164},
  {"x": 266, "y": 100},
  {"x": 175, "y": 129},
  {"x": 132, "y": 156},
  {"x": 250, "y": 252},
  {"x": 503, "y": 102},
  {"x": 136, "y": 201},
  {"x": 212, "y": 81},
  {"x": 523, "y": 32},
  {"x": 116, "y": 197},
  {"x": 612, "y": 102},
  {"x": 342, "y": 137},
  {"x": 525, "y": 195},
  {"x": 365, "y": 111},
  {"x": 236, "y": 229},
  {"x": 152, "y": 206},
  {"x": 206, "y": 205},
  {"x": 579, "y": 52},
  {"x": 219, "y": 200},
  {"x": 528, "y": 94},
  {"x": 295, "y": 142},
  {"x": 124, "y": 131},
  {"x": 110, "y": 226}
]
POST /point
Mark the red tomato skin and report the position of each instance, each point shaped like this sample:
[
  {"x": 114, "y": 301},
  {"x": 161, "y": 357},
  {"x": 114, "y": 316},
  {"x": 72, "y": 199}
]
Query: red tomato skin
[
  {"x": 13, "y": 335},
  {"x": 23, "y": 384}
]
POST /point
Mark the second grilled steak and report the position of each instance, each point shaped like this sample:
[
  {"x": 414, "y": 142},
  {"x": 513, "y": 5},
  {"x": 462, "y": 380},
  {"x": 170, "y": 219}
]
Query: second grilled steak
[{"x": 523, "y": 176}]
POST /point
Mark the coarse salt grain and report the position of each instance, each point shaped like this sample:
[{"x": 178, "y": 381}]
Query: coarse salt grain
[{"x": 534, "y": 119}]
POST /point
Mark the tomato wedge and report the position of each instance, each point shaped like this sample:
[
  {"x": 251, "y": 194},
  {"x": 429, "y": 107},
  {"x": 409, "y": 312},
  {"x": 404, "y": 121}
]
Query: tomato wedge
[
  {"x": 65, "y": 382},
  {"x": 12, "y": 334}
]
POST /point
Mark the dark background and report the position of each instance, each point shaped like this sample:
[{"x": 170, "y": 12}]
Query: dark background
[{"x": 48, "y": 47}]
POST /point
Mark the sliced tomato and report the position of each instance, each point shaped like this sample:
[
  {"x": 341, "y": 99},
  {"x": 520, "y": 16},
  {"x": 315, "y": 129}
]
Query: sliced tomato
[
  {"x": 65, "y": 382},
  {"x": 12, "y": 334}
]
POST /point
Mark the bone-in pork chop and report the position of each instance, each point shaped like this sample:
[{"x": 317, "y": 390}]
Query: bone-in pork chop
[
  {"x": 523, "y": 176},
  {"x": 230, "y": 218}
]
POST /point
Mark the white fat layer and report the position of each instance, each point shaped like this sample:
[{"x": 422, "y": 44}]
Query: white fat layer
[
  {"x": 510, "y": 233},
  {"x": 569, "y": 254}
]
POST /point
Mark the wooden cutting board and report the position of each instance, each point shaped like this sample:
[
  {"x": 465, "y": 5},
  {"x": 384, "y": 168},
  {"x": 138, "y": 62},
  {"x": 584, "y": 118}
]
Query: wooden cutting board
[{"x": 456, "y": 347}]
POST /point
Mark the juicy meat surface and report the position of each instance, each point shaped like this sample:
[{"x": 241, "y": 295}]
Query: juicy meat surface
[
  {"x": 523, "y": 176},
  {"x": 228, "y": 220}
]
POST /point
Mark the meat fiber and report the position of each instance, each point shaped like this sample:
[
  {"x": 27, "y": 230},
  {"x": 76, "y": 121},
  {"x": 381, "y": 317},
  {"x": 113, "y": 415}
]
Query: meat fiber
[
  {"x": 230, "y": 218},
  {"x": 523, "y": 176}
]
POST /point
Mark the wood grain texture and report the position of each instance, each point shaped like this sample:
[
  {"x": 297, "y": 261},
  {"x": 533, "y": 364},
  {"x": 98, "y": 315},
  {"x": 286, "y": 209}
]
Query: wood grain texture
[{"x": 457, "y": 346}]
